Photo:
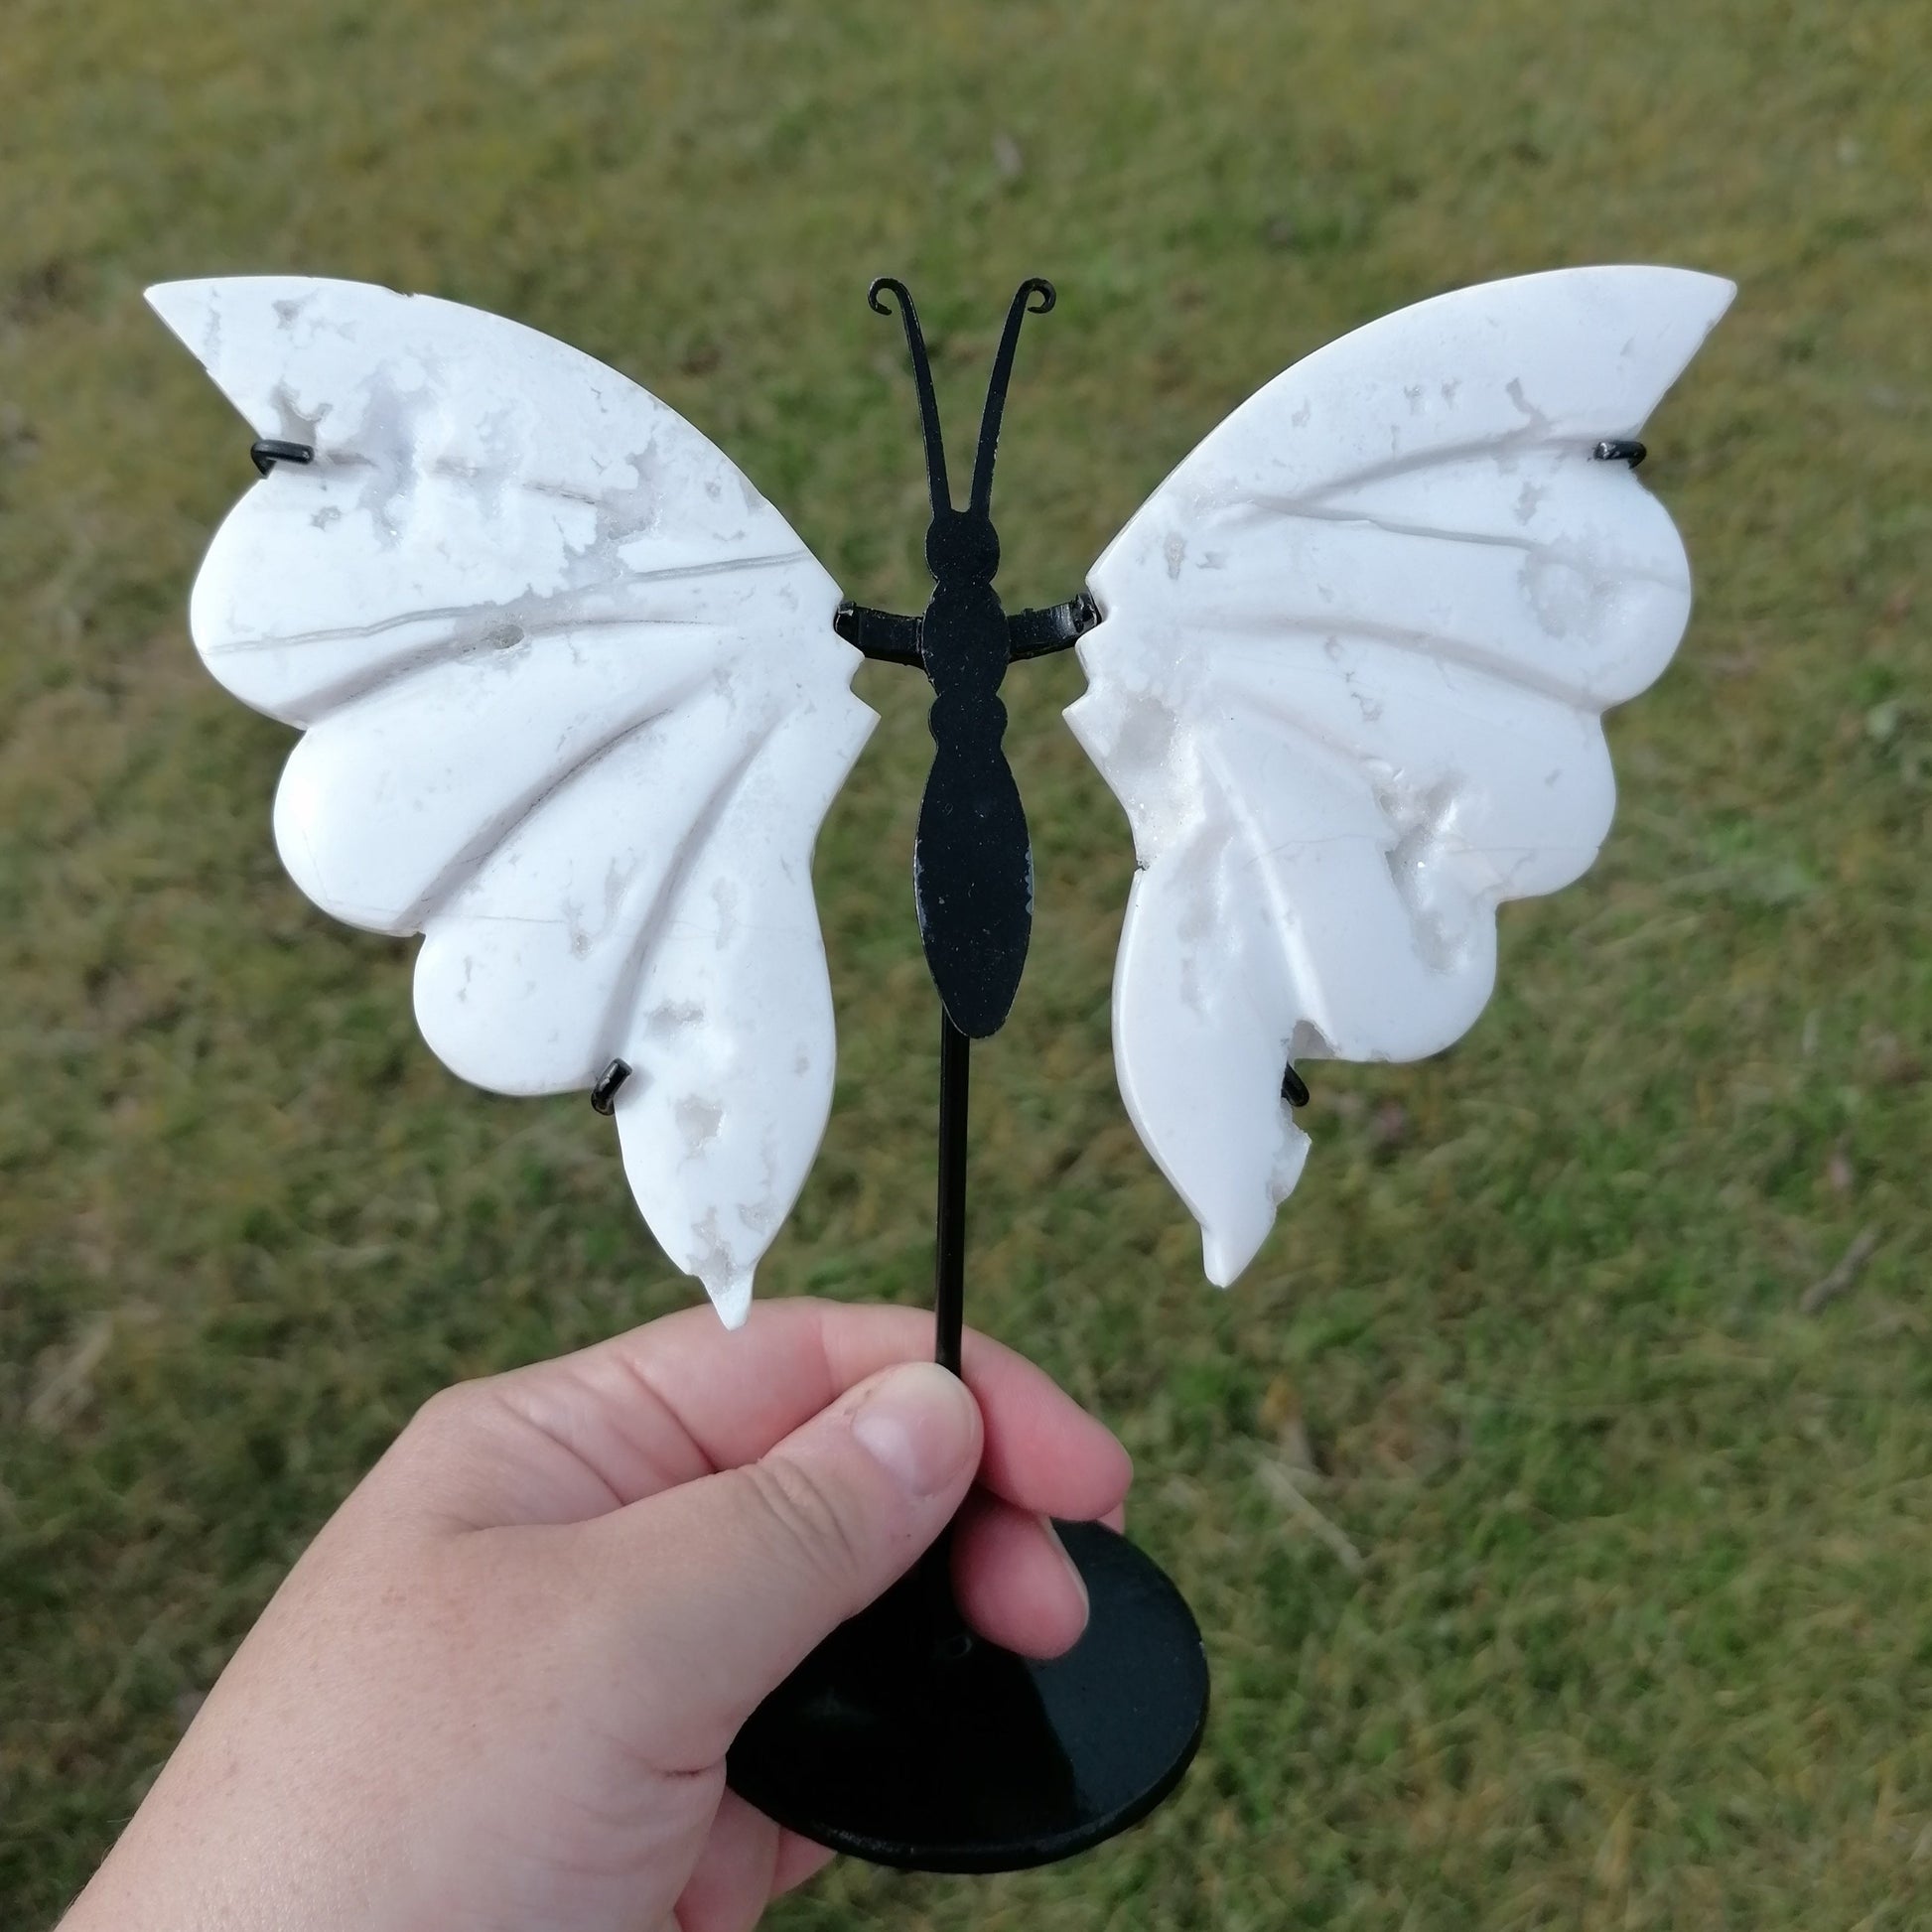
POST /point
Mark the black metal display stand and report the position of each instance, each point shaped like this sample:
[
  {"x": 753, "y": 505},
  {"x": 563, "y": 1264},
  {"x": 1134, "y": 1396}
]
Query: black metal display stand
[{"x": 906, "y": 1738}]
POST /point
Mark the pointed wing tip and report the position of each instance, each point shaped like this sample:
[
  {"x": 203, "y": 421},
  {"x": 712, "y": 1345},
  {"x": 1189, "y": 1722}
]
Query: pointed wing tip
[
  {"x": 1718, "y": 290},
  {"x": 1228, "y": 1250},
  {"x": 190, "y": 308},
  {"x": 181, "y": 306},
  {"x": 1713, "y": 294},
  {"x": 1683, "y": 300},
  {"x": 732, "y": 1298},
  {"x": 1693, "y": 296},
  {"x": 1223, "y": 1260}
]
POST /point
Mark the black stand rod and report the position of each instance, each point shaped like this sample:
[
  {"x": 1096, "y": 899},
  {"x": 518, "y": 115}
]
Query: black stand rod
[
  {"x": 950, "y": 1257},
  {"x": 907, "y": 1739},
  {"x": 931, "y": 1582}
]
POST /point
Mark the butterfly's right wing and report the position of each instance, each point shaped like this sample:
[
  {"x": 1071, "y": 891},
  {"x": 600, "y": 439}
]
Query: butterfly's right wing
[
  {"x": 574, "y": 709},
  {"x": 1348, "y": 687}
]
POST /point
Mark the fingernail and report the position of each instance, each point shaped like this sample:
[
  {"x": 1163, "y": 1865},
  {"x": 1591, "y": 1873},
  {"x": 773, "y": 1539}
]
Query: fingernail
[{"x": 919, "y": 1425}]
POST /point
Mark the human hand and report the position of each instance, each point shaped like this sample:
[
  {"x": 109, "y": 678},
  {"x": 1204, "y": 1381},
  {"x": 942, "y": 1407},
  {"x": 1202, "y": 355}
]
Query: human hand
[{"x": 499, "y": 1688}]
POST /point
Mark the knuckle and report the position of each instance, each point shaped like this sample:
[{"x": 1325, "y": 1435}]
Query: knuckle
[
  {"x": 810, "y": 1519},
  {"x": 446, "y": 1417},
  {"x": 446, "y": 1409}
]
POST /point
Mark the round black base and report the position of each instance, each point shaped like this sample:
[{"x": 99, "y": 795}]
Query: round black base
[{"x": 906, "y": 1741}]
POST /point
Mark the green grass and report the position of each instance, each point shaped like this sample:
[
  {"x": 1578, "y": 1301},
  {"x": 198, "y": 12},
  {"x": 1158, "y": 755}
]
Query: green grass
[{"x": 1638, "y": 1635}]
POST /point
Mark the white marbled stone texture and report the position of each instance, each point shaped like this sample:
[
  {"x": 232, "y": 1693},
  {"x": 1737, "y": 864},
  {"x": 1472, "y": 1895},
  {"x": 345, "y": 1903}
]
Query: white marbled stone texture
[
  {"x": 1348, "y": 686},
  {"x": 573, "y": 708}
]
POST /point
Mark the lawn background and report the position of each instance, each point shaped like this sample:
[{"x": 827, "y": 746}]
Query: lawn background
[{"x": 1557, "y": 1566}]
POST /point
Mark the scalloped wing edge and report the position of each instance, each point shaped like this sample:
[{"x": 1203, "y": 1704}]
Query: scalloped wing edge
[{"x": 1696, "y": 302}]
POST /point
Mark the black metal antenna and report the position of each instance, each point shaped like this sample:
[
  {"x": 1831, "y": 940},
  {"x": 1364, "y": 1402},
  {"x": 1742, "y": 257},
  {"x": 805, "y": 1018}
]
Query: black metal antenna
[
  {"x": 935, "y": 446},
  {"x": 996, "y": 387}
]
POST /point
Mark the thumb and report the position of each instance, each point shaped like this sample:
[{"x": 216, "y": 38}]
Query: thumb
[{"x": 739, "y": 1575}]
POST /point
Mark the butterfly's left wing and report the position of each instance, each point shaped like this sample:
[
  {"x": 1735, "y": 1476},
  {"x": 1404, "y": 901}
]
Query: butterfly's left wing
[
  {"x": 1349, "y": 688},
  {"x": 574, "y": 709}
]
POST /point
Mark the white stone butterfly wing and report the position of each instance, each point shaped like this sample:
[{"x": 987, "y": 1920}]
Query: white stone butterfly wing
[
  {"x": 1348, "y": 686},
  {"x": 574, "y": 710}
]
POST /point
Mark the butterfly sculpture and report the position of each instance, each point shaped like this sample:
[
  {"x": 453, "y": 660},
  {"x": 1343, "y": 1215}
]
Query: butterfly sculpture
[{"x": 576, "y": 700}]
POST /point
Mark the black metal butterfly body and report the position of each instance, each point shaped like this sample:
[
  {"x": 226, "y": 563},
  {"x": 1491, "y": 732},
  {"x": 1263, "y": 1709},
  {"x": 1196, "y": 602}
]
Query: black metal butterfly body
[{"x": 972, "y": 861}]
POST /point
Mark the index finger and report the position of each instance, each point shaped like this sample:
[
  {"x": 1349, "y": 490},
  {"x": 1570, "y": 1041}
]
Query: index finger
[{"x": 684, "y": 1397}]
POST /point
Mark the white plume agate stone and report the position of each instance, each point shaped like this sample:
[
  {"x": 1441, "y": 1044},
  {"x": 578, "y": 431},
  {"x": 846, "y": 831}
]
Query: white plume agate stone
[
  {"x": 1348, "y": 690},
  {"x": 573, "y": 709}
]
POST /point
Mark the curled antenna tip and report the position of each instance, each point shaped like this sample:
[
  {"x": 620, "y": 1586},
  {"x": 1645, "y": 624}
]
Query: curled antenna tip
[
  {"x": 889, "y": 283},
  {"x": 1037, "y": 286}
]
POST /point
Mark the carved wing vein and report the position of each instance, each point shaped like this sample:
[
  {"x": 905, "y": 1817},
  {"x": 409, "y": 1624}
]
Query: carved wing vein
[
  {"x": 1430, "y": 647},
  {"x": 573, "y": 706},
  {"x": 1531, "y": 436},
  {"x": 1568, "y": 556},
  {"x": 619, "y": 1012},
  {"x": 501, "y": 828},
  {"x": 1325, "y": 828},
  {"x": 511, "y": 612}
]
